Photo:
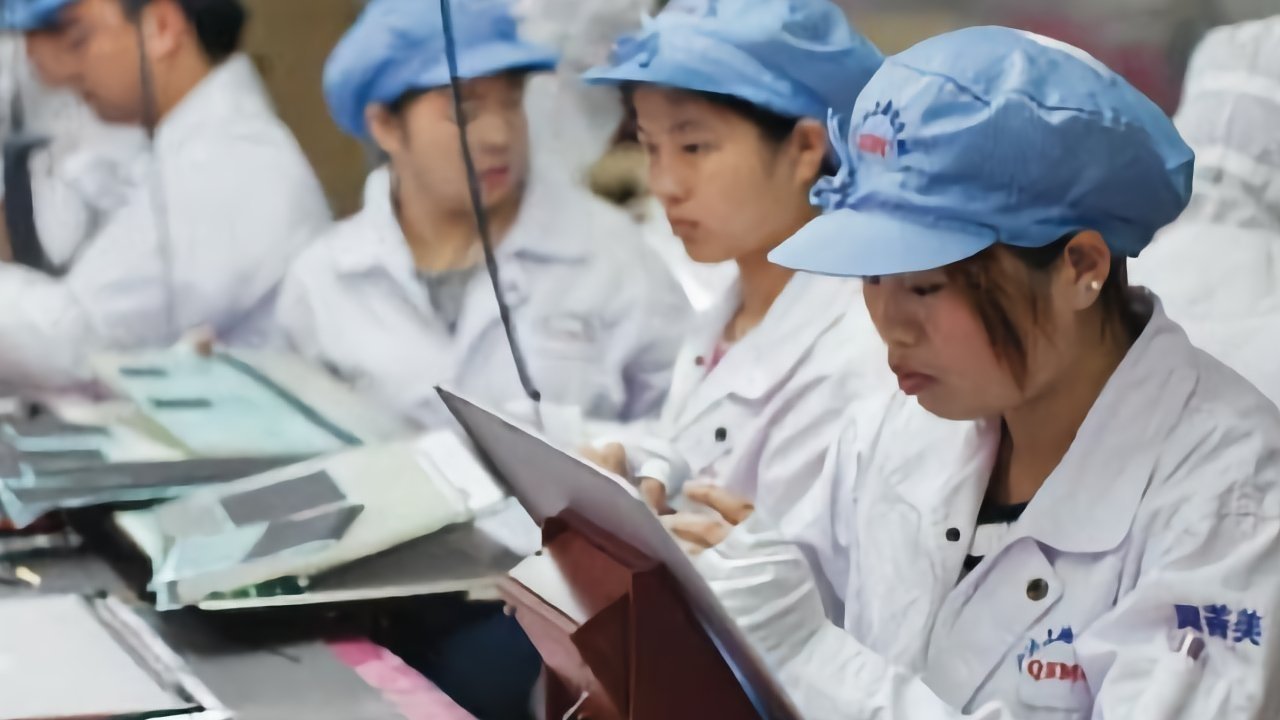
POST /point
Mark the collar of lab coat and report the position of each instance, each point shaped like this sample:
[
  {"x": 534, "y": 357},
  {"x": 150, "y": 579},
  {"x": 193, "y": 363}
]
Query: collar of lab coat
[
  {"x": 1089, "y": 502},
  {"x": 808, "y": 306},
  {"x": 543, "y": 231},
  {"x": 231, "y": 90}
]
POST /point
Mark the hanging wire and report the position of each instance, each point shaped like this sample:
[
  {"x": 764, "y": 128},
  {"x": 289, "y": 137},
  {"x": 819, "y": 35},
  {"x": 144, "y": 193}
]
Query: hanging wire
[{"x": 482, "y": 219}]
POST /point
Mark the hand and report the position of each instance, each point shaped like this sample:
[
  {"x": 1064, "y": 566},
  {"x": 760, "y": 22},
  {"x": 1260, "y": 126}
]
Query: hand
[
  {"x": 655, "y": 495},
  {"x": 611, "y": 458},
  {"x": 697, "y": 532},
  {"x": 201, "y": 340}
]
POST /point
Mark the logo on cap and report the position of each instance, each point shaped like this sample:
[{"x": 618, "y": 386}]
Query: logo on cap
[
  {"x": 696, "y": 8},
  {"x": 878, "y": 134}
]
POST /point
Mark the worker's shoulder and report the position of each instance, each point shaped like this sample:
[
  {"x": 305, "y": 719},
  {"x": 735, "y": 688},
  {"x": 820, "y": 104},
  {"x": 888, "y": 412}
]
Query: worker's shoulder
[
  {"x": 253, "y": 148},
  {"x": 1222, "y": 454},
  {"x": 345, "y": 247}
]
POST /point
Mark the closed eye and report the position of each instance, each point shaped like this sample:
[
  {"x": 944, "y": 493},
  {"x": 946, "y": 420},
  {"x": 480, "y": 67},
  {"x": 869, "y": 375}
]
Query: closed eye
[{"x": 926, "y": 290}]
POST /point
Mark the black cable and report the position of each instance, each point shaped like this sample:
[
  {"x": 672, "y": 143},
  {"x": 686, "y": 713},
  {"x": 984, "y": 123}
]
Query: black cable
[
  {"x": 19, "y": 145},
  {"x": 482, "y": 220}
]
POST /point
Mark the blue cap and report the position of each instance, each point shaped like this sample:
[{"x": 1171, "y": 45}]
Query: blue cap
[
  {"x": 991, "y": 135},
  {"x": 28, "y": 15},
  {"x": 797, "y": 58},
  {"x": 399, "y": 45}
]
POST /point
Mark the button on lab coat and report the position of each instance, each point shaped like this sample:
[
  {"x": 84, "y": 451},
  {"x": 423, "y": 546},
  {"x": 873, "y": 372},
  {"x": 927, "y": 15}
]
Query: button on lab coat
[
  {"x": 598, "y": 316},
  {"x": 760, "y": 422},
  {"x": 1217, "y": 268},
  {"x": 1169, "y": 497},
  {"x": 239, "y": 200}
]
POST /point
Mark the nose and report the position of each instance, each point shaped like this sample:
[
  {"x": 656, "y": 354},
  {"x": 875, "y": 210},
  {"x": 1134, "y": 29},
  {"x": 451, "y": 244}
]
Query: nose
[
  {"x": 666, "y": 182},
  {"x": 489, "y": 134},
  {"x": 894, "y": 320}
]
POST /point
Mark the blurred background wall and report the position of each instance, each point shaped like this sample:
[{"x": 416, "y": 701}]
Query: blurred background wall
[{"x": 1148, "y": 41}]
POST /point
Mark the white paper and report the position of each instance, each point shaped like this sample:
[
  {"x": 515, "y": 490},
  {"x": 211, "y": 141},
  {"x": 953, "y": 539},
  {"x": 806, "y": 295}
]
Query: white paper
[
  {"x": 57, "y": 660},
  {"x": 446, "y": 458}
]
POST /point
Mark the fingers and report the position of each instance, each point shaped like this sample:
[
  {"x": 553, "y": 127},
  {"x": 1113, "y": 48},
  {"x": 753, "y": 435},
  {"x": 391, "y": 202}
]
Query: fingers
[
  {"x": 734, "y": 509},
  {"x": 655, "y": 495},
  {"x": 611, "y": 457},
  {"x": 202, "y": 340},
  {"x": 697, "y": 532}
]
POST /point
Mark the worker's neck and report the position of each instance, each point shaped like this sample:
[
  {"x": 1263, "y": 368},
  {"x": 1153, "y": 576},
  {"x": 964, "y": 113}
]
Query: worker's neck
[
  {"x": 181, "y": 73},
  {"x": 1038, "y": 433},
  {"x": 447, "y": 238},
  {"x": 761, "y": 282}
]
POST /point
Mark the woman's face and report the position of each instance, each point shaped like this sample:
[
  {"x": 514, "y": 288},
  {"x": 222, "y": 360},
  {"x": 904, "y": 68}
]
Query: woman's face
[
  {"x": 727, "y": 190},
  {"x": 941, "y": 351},
  {"x": 425, "y": 150}
]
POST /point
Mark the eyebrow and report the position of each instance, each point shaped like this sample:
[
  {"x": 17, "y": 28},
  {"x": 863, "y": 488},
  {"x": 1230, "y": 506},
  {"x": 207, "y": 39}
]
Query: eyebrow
[{"x": 681, "y": 126}]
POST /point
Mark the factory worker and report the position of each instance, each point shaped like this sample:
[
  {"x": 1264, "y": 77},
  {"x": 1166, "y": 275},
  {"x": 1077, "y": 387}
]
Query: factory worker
[
  {"x": 1217, "y": 269},
  {"x": 731, "y": 100},
  {"x": 1064, "y": 488},
  {"x": 195, "y": 244},
  {"x": 396, "y": 299},
  {"x": 81, "y": 168}
]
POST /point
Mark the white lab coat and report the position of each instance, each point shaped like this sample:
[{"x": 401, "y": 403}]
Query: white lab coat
[
  {"x": 597, "y": 315},
  {"x": 760, "y": 423},
  {"x": 1217, "y": 268},
  {"x": 1170, "y": 495},
  {"x": 239, "y": 200}
]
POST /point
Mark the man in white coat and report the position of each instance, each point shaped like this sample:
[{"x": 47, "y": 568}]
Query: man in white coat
[
  {"x": 223, "y": 203},
  {"x": 396, "y": 299},
  {"x": 1217, "y": 268}
]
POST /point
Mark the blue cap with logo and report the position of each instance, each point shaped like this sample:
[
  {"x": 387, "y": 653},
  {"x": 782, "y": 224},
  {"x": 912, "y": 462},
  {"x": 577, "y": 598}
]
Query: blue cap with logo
[
  {"x": 797, "y": 58},
  {"x": 29, "y": 15},
  {"x": 399, "y": 45},
  {"x": 991, "y": 135}
]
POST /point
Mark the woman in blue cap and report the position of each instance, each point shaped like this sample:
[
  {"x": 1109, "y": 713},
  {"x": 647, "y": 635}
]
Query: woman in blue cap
[
  {"x": 1067, "y": 510},
  {"x": 730, "y": 99},
  {"x": 396, "y": 299}
]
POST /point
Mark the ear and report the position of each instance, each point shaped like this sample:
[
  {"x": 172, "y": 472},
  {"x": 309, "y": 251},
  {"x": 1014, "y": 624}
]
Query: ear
[
  {"x": 165, "y": 25},
  {"x": 1087, "y": 267},
  {"x": 809, "y": 140},
  {"x": 385, "y": 128}
]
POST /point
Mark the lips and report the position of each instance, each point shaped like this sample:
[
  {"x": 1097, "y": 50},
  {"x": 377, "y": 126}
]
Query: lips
[
  {"x": 495, "y": 176},
  {"x": 910, "y": 381},
  {"x": 682, "y": 228}
]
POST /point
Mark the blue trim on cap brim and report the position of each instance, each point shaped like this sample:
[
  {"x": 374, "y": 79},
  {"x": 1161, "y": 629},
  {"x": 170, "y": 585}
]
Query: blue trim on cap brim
[
  {"x": 852, "y": 243},
  {"x": 718, "y": 79},
  {"x": 497, "y": 58},
  {"x": 30, "y": 22}
]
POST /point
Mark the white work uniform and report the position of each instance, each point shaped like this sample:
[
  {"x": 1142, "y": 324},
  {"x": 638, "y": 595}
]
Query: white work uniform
[
  {"x": 761, "y": 421},
  {"x": 239, "y": 200},
  {"x": 1163, "y": 517},
  {"x": 598, "y": 317},
  {"x": 1217, "y": 268}
]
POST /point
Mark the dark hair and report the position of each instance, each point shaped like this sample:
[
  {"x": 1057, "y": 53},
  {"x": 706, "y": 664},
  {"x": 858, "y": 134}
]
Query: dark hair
[
  {"x": 775, "y": 127},
  {"x": 399, "y": 105},
  {"x": 218, "y": 24},
  {"x": 994, "y": 296}
]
